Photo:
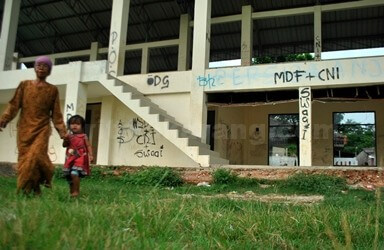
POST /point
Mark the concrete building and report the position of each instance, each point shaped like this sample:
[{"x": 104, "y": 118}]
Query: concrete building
[{"x": 138, "y": 71}]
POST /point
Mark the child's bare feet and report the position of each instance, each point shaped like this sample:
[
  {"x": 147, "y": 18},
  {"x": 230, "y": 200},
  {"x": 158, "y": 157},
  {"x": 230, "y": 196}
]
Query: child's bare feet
[{"x": 74, "y": 194}]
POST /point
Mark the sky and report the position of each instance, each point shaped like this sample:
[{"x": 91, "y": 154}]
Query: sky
[{"x": 324, "y": 56}]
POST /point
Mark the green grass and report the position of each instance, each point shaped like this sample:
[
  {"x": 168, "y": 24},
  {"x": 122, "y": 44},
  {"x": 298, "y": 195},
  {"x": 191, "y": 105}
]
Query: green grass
[{"x": 111, "y": 214}]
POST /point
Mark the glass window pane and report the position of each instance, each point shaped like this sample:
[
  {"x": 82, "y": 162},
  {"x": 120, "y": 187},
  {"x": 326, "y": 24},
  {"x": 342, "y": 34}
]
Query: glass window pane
[
  {"x": 283, "y": 140},
  {"x": 283, "y": 120},
  {"x": 354, "y": 141}
]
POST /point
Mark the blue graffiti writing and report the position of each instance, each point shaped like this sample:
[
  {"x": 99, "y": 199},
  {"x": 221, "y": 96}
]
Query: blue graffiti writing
[{"x": 206, "y": 81}]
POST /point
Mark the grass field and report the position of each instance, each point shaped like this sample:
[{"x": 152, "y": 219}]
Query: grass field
[{"x": 111, "y": 214}]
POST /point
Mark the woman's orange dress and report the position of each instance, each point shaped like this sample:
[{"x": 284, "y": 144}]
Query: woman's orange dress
[{"x": 39, "y": 105}]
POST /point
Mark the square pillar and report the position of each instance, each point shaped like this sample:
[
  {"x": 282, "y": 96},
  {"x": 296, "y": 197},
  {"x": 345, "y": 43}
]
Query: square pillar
[
  {"x": 8, "y": 33},
  {"x": 185, "y": 33},
  {"x": 246, "y": 36},
  {"x": 118, "y": 37},
  {"x": 75, "y": 94},
  {"x": 200, "y": 62},
  {"x": 144, "y": 60},
  {"x": 317, "y": 32},
  {"x": 103, "y": 148},
  {"x": 305, "y": 126},
  {"x": 94, "y": 56}
]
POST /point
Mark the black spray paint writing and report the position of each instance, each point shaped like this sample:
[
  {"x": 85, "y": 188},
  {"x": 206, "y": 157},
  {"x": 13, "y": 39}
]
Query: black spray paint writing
[
  {"x": 147, "y": 137},
  {"x": 156, "y": 80},
  {"x": 298, "y": 75},
  {"x": 124, "y": 134},
  {"x": 112, "y": 55},
  {"x": 305, "y": 102},
  {"x": 70, "y": 110},
  {"x": 144, "y": 153},
  {"x": 317, "y": 48}
]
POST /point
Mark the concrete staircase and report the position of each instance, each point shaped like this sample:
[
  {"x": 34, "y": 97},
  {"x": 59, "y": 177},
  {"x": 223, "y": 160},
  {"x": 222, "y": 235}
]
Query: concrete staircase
[{"x": 163, "y": 123}]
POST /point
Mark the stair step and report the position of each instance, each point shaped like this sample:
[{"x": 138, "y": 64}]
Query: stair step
[{"x": 160, "y": 120}]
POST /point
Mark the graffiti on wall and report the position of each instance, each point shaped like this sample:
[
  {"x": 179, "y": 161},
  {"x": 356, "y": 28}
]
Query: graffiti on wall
[
  {"x": 112, "y": 55},
  {"x": 156, "y": 80},
  {"x": 125, "y": 134},
  {"x": 296, "y": 76},
  {"x": 305, "y": 103},
  {"x": 142, "y": 134},
  {"x": 317, "y": 48}
]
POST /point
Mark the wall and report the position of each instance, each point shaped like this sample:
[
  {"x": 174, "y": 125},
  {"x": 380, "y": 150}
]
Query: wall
[
  {"x": 8, "y": 146},
  {"x": 176, "y": 105},
  {"x": 237, "y": 138},
  {"x": 323, "y": 131},
  {"x": 133, "y": 142}
]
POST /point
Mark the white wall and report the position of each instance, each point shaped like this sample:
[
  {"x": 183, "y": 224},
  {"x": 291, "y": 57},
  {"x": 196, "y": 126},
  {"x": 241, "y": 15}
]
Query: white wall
[
  {"x": 8, "y": 143},
  {"x": 135, "y": 143}
]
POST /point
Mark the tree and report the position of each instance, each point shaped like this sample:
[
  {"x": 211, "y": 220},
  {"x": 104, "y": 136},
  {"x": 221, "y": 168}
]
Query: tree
[{"x": 283, "y": 58}]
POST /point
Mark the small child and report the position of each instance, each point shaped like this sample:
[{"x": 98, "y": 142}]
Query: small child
[{"x": 78, "y": 154}]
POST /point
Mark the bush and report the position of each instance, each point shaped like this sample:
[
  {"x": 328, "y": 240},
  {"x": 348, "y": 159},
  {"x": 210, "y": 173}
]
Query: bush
[
  {"x": 224, "y": 176},
  {"x": 321, "y": 184},
  {"x": 155, "y": 176}
]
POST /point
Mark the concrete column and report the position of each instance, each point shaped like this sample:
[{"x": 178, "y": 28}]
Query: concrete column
[
  {"x": 317, "y": 33},
  {"x": 8, "y": 33},
  {"x": 305, "y": 126},
  {"x": 200, "y": 61},
  {"x": 94, "y": 56},
  {"x": 246, "y": 36},
  {"x": 75, "y": 94},
  {"x": 184, "y": 43},
  {"x": 118, "y": 37},
  {"x": 144, "y": 60},
  {"x": 15, "y": 61},
  {"x": 103, "y": 148}
]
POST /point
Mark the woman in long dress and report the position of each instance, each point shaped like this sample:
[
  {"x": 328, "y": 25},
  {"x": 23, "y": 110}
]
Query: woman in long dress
[{"x": 39, "y": 104}]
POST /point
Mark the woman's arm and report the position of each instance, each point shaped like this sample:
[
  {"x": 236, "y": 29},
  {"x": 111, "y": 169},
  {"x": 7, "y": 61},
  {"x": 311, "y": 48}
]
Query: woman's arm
[{"x": 13, "y": 107}]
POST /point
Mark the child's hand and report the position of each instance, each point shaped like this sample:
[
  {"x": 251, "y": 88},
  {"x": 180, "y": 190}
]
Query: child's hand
[{"x": 90, "y": 157}]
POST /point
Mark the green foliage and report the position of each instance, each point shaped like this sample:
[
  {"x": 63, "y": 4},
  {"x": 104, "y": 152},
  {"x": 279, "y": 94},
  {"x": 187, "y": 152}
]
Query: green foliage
[
  {"x": 110, "y": 214},
  {"x": 155, "y": 176},
  {"x": 224, "y": 176},
  {"x": 319, "y": 184},
  {"x": 283, "y": 58}
]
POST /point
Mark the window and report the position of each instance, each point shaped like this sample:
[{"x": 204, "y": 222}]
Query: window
[
  {"x": 283, "y": 140},
  {"x": 354, "y": 141}
]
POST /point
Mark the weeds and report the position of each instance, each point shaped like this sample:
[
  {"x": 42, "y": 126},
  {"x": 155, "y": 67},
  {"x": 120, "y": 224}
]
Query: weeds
[
  {"x": 155, "y": 176},
  {"x": 319, "y": 184},
  {"x": 224, "y": 176}
]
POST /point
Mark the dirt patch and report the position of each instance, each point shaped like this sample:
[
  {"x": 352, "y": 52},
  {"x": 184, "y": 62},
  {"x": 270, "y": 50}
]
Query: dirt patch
[{"x": 251, "y": 196}]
